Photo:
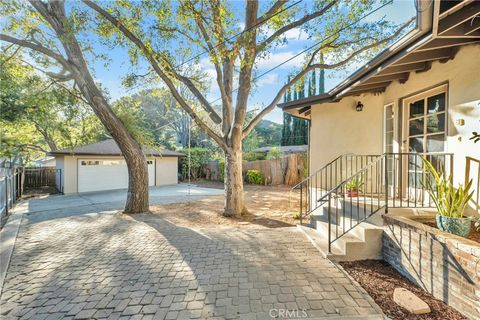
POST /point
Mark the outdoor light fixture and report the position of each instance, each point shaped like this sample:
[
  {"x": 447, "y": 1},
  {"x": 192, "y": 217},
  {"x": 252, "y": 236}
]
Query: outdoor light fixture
[{"x": 359, "y": 106}]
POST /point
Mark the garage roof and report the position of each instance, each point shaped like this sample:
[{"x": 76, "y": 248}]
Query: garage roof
[{"x": 110, "y": 148}]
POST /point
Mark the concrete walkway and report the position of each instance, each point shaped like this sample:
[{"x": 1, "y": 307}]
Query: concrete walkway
[{"x": 76, "y": 259}]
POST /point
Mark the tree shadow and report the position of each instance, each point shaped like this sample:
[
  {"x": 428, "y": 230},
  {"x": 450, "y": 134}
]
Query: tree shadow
[{"x": 102, "y": 265}]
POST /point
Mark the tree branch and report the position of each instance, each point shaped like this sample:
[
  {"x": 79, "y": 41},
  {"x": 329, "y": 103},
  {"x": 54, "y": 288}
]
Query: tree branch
[
  {"x": 149, "y": 54},
  {"x": 311, "y": 66},
  {"x": 262, "y": 45},
  {"x": 36, "y": 47}
]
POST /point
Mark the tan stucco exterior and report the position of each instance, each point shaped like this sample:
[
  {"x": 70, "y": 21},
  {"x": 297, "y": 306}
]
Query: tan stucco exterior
[
  {"x": 336, "y": 128},
  {"x": 166, "y": 169}
]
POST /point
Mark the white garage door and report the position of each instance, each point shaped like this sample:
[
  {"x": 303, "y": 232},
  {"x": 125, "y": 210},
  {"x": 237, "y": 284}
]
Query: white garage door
[{"x": 107, "y": 174}]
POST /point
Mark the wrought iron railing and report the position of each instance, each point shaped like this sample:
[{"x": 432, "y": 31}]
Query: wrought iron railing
[
  {"x": 313, "y": 188},
  {"x": 391, "y": 180}
]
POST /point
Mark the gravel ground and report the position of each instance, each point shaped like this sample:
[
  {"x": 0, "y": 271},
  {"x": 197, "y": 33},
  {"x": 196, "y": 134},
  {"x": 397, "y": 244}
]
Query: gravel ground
[{"x": 379, "y": 279}]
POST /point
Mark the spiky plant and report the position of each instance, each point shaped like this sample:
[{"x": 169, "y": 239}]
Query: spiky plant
[
  {"x": 355, "y": 184},
  {"x": 450, "y": 201}
]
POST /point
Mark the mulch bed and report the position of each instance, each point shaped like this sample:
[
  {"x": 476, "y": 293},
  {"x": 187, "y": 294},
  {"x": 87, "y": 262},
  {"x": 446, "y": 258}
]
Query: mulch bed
[{"x": 380, "y": 279}]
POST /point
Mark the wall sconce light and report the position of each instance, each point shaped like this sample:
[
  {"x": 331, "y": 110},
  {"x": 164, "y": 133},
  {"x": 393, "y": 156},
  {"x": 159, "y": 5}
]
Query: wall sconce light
[{"x": 359, "y": 106}]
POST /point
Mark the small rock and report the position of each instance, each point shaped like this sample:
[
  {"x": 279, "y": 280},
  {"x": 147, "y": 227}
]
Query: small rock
[{"x": 408, "y": 300}]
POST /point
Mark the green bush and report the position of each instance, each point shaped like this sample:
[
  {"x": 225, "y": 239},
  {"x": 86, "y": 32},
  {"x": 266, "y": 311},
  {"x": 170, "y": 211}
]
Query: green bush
[
  {"x": 253, "y": 156},
  {"x": 199, "y": 157},
  {"x": 274, "y": 154},
  {"x": 221, "y": 167},
  {"x": 254, "y": 177}
]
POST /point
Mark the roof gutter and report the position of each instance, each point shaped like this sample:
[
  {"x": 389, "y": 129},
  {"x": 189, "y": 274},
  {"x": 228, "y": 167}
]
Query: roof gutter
[{"x": 424, "y": 21}]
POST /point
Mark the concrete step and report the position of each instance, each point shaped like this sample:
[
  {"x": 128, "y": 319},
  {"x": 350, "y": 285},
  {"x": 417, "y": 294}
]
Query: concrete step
[
  {"x": 321, "y": 244},
  {"x": 362, "y": 242}
]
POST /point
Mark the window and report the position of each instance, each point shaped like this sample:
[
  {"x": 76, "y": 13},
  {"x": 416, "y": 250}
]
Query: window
[
  {"x": 149, "y": 161},
  {"x": 111, "y": 162},
  {"x": 425, "y": 131},
  {"x": 90, "y": 163},
  {"x": 427, "y": 123}
]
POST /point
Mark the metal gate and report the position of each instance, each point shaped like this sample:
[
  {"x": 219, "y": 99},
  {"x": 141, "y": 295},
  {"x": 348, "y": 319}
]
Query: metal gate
[{"x": 36, "y": 178}]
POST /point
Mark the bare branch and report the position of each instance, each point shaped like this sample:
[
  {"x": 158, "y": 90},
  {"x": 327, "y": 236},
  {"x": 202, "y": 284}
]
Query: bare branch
[
  {"x": 36, "y": 47},
  {"x": 295, "y": 24},
  {"x": 149, "y": 54},
  {"x": 273, "y": 9}
]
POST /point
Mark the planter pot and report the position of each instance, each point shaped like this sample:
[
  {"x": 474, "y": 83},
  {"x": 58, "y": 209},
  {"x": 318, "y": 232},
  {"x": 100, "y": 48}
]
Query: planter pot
[
  {"x": 352, "y": 193},
  {"x": 457, "y": 226}
]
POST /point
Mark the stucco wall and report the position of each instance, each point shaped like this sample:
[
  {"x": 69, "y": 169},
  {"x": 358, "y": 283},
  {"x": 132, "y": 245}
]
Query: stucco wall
[
  {"x": 166, "y": 171},
  {"x": 336, "y": 128}
]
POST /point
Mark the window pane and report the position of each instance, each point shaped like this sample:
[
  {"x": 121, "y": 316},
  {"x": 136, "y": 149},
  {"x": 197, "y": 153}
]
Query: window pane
[
  {"x": 435, "y": 143},
  {"x": 437, "y": 161},
  {"x": 436, "y": 123},
  {"x": 415, "y": 162},
  {"x": 389, "y": 125},
  {"x": 416, "y": 127},
  {"x": 436, "y": 103},
  {"x": 416, "y": 144},
  {"x": 417, "y": 108}
]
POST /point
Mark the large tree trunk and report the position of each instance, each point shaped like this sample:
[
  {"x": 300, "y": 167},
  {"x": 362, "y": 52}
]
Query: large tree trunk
[
  {"x": 137, "y": 195},
  {"x": 234, "y": 197}
]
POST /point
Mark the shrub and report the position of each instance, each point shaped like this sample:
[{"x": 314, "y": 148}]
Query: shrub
[
  {"x": 253, "y": 156},
  {"x": 199, "y": 157},
  {"x": 221, "y": 167},
  {"x": 254, "y": 177},
  {"x": 450, "y": 201},
  {"x": 274, "y": 154}
]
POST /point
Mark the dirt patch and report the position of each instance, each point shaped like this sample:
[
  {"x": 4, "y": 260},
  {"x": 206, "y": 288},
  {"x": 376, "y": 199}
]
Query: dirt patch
[
  {"x": 380, "y": 279},
  {"x": 40, "y": 191},
  {"x": 268, "y": 206}
]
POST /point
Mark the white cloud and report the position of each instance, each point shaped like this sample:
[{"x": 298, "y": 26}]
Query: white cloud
[
  {"x": 268, "y": 79},
  {"x": 296, "y": 34},
  {"x": 275, "y": 59}
]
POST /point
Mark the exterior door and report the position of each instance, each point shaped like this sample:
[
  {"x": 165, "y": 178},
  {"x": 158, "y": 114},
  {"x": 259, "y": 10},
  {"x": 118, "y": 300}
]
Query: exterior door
[{"x": 425, "y": 130}]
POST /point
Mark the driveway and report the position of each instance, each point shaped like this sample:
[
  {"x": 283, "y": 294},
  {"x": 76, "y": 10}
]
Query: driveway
[
  {"x": 75, "y": 257},
  {"x": 53, "y": 206}
]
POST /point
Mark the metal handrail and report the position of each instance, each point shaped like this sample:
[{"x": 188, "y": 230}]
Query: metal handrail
[
  {"x": 379, "y": 186},
  {"x": 327, "y": 176}
]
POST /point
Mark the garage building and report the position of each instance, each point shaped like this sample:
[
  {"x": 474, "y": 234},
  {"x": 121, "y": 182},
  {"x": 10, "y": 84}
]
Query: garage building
[{"x": 101, "y": 166}]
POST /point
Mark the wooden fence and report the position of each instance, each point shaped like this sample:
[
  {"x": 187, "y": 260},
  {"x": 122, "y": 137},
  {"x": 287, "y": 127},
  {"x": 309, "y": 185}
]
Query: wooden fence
[{"x": 288, "y": 170}]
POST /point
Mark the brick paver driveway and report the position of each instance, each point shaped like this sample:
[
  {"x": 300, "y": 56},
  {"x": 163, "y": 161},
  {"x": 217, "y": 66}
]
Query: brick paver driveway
[{"x": 95, "y": 266}]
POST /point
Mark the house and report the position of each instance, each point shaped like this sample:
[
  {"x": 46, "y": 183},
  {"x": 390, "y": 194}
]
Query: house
[
  {"x": 101, "y": 166},
  {"x": 45, "y": 162},
  {"x": 418, "y": 98}
]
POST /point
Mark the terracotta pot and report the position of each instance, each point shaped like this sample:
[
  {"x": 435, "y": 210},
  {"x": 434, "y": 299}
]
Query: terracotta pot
[
  {"x": 457, "y": 226},
  {"x": 352, "y": 193}
]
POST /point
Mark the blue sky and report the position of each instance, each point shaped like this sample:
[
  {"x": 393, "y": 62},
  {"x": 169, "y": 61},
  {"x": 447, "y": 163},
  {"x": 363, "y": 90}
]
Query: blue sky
[{"x": 111, "y": 77}]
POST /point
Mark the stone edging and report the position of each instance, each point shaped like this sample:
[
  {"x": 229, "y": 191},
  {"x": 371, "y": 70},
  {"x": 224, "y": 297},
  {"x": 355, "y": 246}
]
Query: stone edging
[{"x": 8, "y": 236}]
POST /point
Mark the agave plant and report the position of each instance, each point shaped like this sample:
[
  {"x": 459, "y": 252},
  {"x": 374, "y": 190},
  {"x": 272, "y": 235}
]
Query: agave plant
[
  {"x": 355, "y": 184},
  {"x": 450, "y": 201}
]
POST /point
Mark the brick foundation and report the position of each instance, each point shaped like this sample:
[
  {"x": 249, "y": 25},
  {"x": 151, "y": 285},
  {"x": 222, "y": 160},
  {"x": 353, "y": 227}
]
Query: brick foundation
[{"x": 444, "y": 265}]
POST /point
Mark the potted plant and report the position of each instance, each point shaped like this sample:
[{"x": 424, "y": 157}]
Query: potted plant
[
  {"x": 353, "y": 186},
  {"x": 450, "y": 202}
]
